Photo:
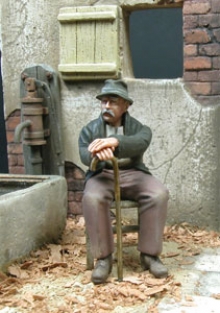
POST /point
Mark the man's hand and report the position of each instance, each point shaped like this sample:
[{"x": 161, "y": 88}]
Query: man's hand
[
  {"x": 105, "y": 154},
  {"x": 103, "y": 148}
]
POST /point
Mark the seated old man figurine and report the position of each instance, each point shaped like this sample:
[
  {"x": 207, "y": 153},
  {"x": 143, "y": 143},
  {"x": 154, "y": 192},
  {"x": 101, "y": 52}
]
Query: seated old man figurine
[{"x": 116, "y": 133}]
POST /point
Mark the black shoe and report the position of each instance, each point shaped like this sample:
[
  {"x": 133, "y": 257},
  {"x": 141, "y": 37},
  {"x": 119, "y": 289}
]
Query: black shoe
[
  {"x": 154, "y": 265},
  {"x": 102, "y": 269}
]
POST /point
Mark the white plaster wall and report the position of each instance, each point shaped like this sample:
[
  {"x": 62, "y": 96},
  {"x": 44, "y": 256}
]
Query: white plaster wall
[{"x": 185, "y": 149}]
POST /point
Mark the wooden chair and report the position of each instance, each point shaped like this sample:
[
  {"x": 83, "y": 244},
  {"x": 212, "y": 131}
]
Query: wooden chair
[{"x": 118, "y": 205}]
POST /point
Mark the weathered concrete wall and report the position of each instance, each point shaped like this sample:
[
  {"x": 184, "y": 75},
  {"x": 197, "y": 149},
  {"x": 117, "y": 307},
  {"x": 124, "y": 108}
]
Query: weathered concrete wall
[{"x": 185, "y": 149}]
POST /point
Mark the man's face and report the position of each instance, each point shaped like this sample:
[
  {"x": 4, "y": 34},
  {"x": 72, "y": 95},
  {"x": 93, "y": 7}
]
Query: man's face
[{"x": 113, "y": 107}]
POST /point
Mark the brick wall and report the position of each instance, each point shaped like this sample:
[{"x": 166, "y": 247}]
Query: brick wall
[
  {"x": 75, "y": 181},
  {"x": 201, "y": 26},
  {"x": 15, "y": 150},
  {"x": 74, "y": 175}
]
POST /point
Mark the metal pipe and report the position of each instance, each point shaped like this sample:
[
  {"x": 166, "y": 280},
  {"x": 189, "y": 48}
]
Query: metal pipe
[{"x": 19, "y": 129}]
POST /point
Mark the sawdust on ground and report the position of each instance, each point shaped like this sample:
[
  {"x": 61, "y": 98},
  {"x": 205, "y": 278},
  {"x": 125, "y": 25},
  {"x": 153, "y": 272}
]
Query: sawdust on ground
[{"x": 54, "y": 278}]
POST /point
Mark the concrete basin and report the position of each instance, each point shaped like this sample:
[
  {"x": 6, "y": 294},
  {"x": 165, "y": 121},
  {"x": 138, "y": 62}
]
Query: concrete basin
[{"x": 33, "y": 211}]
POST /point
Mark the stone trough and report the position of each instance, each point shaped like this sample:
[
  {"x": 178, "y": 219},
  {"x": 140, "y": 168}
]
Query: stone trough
[{"x": 33, "y": 211}]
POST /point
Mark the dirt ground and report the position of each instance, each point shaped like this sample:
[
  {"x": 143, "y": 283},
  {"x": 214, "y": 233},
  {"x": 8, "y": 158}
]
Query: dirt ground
[{"x": 54, "y": 278}]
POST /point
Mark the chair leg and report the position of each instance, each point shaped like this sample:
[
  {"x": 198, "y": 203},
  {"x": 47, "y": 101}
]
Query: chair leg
[{"x": 89, "y": 255}]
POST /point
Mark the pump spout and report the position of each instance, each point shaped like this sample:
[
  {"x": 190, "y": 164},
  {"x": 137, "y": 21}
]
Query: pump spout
[{"x": 19, "y": 129}]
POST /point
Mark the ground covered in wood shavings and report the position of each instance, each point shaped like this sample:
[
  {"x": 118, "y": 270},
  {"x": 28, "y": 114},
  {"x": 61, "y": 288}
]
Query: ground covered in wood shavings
[{"x": 54, "y": 278}]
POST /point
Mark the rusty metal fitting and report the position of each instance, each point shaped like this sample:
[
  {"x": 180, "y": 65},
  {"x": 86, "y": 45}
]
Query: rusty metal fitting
[{"x": 33, "y": 110}]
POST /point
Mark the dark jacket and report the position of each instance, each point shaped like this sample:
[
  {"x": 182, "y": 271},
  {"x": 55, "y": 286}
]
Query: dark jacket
[{"x": 132, "y": 144}]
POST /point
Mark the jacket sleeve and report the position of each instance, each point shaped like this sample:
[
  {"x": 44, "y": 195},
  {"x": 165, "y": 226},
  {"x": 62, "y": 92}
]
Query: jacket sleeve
[
  {"x": 85, "y": 138},
  {"x": 134, "y": 144}
]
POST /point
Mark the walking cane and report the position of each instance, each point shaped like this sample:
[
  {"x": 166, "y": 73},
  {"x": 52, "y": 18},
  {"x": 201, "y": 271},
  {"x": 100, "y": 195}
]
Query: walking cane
[{"x": 94, "y": 163}]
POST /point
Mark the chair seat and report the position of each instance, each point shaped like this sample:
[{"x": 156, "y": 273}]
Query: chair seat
[
  {"x": 127, "y": 229},
  {"x": 125, "y": 204}
]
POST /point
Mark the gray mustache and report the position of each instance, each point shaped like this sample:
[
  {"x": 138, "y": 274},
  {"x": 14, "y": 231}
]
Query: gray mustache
[{"x": 109, "y": 112}]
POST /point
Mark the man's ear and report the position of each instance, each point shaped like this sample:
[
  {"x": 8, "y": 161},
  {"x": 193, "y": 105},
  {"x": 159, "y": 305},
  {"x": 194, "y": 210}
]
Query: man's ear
[{"x": 127, "y": 105}]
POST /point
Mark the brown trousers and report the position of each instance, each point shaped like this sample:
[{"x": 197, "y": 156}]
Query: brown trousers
[{"x": 152, "y": 197}]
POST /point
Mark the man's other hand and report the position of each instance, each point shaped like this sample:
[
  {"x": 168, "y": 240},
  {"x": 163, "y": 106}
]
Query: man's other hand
[
  {"x": 103, "y": 148},
  {"x": 103, "y": 143}
]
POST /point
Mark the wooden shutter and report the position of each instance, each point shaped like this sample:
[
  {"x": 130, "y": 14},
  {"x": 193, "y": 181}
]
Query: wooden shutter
[{"x": 89, "y": 42}]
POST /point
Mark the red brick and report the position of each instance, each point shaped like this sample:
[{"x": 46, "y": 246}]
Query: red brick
[
  {"x": 196, "y": 8},
  {"x": 78, "y": 173},
  {"x": 199, "y": 88},
  {"x": 71, "y": 196},
  {"x": 215, "y": 88},
  {"x": 216, "y": 63},
  {"x": 16, "y": 170},
  {"x": 215, "y": 6},
  {"x": 75, "y": 208},
  {"x": 197, "y": 36},
  {"x": 208, "y": 100},
  {"x": 12, "y": 160},
  {"x": 12, "y": 122},
  {"x": 212, "y": 49},
  {"x": 16, "y": 112},
  {"x": 190, "y": 21},
  {"x": 209, "y": 76},
  {"x": 20, "y": 160},
  {"x": 216, "y": 33},
  {"x": 69, "y": 180},
  {"x": 197, "y": 63},
  {"x": 76, "y": 185},
  {"x": 209, "y": 20},
  {"x": 10, "y": 136},
  {"x": 15, "y": 148},
  {"x": 190, "y": 50},
  {"x": 190, "y": 76},
  {"x": 78, "y": 196}
]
